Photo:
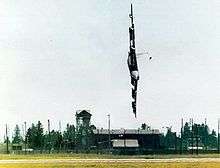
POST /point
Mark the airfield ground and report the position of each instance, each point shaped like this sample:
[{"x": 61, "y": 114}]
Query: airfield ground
[{"x": 81, "y": 161}]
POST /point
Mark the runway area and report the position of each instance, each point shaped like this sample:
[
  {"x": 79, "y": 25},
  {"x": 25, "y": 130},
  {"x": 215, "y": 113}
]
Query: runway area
[{"x": 173, "y": 160}]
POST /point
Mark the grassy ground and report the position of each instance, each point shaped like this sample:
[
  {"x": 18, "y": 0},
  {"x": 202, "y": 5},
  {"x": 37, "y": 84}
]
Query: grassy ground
[
  {"x": 115, "y": 165},
  {"x": 119, "y": 164},
  {"x": 95, "y": 156}
]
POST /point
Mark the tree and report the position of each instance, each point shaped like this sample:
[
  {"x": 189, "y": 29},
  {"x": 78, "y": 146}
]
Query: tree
[
  {"x": 35, "y": 136},
  {"x": 143, "y": 126},
  {"x": 200, "y": 134},
  {"x": 85, "y": 137},
  {"x": 92, "y": 127},
  {"x": 212, "y": 140},
  {"x": 53, "y": 140},
  {"x": 170, "y": 139},
  {"x": 56, "y": 139},
  {"x": 69, "y": 136},
  {"x": 17, "y": 138},
  {"x": 186, "y": 135}
]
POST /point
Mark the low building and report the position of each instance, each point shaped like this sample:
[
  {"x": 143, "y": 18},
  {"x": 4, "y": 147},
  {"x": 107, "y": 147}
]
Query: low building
[{"x": 128, "y": 138}]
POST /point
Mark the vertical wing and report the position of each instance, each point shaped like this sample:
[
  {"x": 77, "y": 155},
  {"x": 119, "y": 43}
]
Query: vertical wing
[{"x": 132, "y": 63}]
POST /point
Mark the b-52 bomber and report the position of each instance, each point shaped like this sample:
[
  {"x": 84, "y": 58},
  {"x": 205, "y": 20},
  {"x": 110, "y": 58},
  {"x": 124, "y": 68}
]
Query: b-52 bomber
[{"x": 132, "y": 63}]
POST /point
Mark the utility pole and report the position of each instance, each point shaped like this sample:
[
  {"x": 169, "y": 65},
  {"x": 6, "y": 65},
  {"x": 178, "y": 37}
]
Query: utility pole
[
  {"x": 124, "y": 142},
  {"x": 60, "y": 126},
  {"x": 49, "y": 140},
  {"x": 6, "y": 132},
  {"x": 25, "y": 137},
  {"x": 218, "y": 135},
  {"x": 60, "y": 133},
  {"x": 109, "y": 134},
  {"x": 197, "y": 139},
  {"x": 205, "y": 134},
  {"x": 192, "y": 137},
  {"x": 181, "y": 145}
]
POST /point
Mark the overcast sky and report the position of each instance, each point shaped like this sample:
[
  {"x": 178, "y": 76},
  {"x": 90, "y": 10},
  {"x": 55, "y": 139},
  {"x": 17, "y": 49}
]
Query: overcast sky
[{"x": 57, "y": 57}]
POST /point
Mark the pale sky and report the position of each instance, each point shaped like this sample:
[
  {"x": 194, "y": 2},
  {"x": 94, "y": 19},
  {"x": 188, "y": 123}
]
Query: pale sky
[{"x": 57, "y": 57}]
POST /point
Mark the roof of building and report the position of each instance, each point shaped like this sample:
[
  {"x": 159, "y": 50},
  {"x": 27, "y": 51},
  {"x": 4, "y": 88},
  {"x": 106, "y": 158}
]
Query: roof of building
[
  {"x": 126, "y": 131},
  {"x": 83, "y": 113}
]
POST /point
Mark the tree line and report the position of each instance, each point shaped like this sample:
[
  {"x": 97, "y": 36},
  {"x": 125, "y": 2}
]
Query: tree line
[
  {"x": 192, "y": 135},
  {"x": 38, "y": 139}
]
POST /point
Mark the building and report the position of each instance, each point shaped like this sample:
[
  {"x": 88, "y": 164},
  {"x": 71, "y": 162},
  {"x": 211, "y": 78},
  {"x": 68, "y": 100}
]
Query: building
[
  {"x": 129, "y": 139},
  {"x": 114, "y": 139},
  {"x": 83, "y": 131}
]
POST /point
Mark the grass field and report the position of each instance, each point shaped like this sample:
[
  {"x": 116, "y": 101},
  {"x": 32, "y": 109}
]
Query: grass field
[
  {"x": 96, "y": 156},
  {"x": 63, "y": 161},
  {"x": 115, "y": 165}
]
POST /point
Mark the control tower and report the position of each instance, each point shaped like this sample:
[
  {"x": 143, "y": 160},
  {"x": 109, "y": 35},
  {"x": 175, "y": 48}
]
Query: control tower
[{"x": 83, "y": 130}]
